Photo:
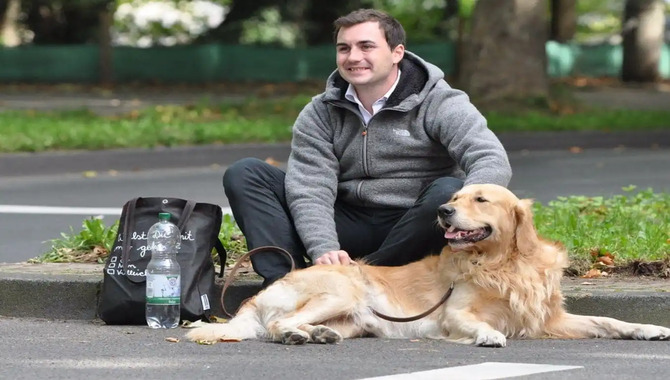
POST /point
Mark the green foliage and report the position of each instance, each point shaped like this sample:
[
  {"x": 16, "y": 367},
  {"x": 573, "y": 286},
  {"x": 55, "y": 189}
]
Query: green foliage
[
  {"x": 421, "y": 19},
  {"x": 256, "y": 120},
  {"x": 633, "y": 226},
  {"x": 594, "y": 120},
  {"x": 597, "y": 19},
  {"x": 269, "y": 29},
  {"x": 232, "y": 239},
  {"x": 253, "y": 121},
  {"x": 92, "y": 244}
]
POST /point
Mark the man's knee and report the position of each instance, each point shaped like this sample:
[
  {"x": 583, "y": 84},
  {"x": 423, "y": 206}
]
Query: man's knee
[
  {"x": 241, "y": 171},
  {"x": 442, "y": 189}
]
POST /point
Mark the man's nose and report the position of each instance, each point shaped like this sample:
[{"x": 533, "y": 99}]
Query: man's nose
[{"x": 355, "y": 54}]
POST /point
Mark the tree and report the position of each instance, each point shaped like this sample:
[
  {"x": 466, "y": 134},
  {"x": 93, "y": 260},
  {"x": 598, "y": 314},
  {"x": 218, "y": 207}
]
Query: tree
[
  {"x": 9, "y": 15},
  {"x": 642, "y": 40},
  {"x": 312, "y": 18},
  {"x": 563, "y": 20},
  {"x": 506, "y": 50}
]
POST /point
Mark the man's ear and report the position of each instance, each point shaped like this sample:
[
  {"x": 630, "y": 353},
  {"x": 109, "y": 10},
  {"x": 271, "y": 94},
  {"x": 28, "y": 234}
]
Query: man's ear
[
  {"x": 526, "y": 235},
  {"x": 398, "y": 53}
]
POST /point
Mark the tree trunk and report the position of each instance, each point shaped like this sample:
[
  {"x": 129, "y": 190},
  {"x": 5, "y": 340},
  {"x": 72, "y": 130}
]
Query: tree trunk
[
  {"x": 106, "y": 18},
  {"x": 563, "y": 20},
  {"x": 642, "y": 40},
  {"x": 9, "y": 33},
  {"x": 506, "y": 54}
]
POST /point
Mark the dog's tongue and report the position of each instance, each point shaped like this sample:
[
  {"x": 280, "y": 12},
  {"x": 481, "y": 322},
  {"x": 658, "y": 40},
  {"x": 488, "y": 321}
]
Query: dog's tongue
[{"x": 452, "y": 233}]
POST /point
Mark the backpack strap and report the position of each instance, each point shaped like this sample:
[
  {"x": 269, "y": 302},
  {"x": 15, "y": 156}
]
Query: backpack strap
[
  {"x": 223, "y": 255},
  {"x": 185, "y": 214},
  {"x": 128, "y": 226}
]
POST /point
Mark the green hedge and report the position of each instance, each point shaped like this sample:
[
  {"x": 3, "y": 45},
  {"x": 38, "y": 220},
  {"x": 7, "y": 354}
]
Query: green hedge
[{"x": 240, "y": 63}]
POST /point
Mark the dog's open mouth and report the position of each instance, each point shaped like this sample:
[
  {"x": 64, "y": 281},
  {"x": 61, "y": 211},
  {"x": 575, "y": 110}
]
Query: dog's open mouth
[{"x": 456, "y": 235}]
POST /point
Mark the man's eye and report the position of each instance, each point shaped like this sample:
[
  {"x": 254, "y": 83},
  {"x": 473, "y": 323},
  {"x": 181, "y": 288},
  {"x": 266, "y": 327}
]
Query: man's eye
[{"x": 481, "y": 199}]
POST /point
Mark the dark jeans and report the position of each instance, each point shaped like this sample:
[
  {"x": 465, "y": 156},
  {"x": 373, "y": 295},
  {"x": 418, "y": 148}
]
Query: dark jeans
[{"x": 382, "y": 236}]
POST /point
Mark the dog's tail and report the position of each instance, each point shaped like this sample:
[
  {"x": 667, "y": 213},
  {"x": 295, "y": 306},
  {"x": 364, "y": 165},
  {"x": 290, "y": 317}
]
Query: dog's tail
[{"x": 245, "y": 325}]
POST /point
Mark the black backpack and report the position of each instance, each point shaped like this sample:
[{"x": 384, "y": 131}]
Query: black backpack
[{"x": 122, "y": 298}]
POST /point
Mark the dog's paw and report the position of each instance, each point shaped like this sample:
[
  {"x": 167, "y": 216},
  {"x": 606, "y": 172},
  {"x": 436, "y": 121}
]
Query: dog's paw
[
  {"x": 324, "y": 334},
  {"x": 490, "y": 338},
  {"x": 208, "y": 333},
  {"x": 294, "y": 337},
  {"x": 652, "y": 332}
]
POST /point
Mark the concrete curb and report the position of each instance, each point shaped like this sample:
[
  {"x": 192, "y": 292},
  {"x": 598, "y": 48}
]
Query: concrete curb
[{"x": 70, "y": 291}]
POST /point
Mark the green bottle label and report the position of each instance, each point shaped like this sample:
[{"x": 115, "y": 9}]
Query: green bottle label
[{"x": 163, "y": 289}]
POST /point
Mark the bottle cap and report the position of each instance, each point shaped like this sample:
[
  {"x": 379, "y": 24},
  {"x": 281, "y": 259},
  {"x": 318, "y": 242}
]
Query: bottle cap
[{"x": 164, "y": 216}]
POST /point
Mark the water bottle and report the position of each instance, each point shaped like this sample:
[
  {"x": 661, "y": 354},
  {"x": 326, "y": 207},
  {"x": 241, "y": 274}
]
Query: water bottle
[{"x": 163, "y": 277}]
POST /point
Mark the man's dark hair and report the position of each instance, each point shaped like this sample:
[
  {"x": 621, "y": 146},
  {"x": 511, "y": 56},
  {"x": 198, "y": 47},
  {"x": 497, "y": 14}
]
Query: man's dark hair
[{"x": 393, "y": 30}]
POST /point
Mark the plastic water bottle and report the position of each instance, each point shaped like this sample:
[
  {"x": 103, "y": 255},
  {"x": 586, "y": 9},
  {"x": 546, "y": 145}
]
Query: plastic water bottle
[{"x": 163, "y": 274}]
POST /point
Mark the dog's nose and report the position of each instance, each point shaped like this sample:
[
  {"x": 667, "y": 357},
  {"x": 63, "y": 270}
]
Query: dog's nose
[{"x": 445, "y": 211}]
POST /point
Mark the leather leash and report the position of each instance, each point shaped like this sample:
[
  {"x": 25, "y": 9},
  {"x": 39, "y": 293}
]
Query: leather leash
[
  {"x": 231, "y": 275},
  {"x": 418, "y": 316},
  {"x": 235, "y": 268}
]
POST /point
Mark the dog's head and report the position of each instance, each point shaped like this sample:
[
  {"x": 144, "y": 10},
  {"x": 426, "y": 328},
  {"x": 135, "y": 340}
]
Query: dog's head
[{"x": 487, "y": 218}]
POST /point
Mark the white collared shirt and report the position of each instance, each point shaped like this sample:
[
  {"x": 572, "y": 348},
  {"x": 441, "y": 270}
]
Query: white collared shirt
[{"x": 376, "y": 106}]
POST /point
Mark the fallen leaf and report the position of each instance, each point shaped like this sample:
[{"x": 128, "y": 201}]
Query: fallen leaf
[
  {"x": 593, "y": 273},
  {"x": 172, "y": 340},
  {"x": 206, "y": 342},
  {"x": 215, "y": 319},
  {"x": 576, "y": 149},
  {"x": 230, "y": 340},
  {"x": 90, "y": 174},
  {"x": 192, "y": 325},
  {"x": 607, "y": 260}
]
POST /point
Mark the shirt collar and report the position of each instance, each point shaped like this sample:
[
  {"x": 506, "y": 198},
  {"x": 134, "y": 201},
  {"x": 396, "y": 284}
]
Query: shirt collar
[{"x": 352, "y": 96}]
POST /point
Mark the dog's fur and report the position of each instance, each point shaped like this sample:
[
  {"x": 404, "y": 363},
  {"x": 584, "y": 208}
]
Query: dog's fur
[{"x": 506, "y": 285}]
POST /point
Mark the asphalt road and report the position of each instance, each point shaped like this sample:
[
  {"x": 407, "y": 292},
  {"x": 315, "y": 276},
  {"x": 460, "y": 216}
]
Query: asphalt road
[
  {"x": 542, "y": 175},
  {"x": 41, "y": 349}
]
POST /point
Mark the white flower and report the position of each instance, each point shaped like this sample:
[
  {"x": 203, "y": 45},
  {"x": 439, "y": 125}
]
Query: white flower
[
  {"x": 144, "y": 42},
  {"x": 124, "y": 10},
  {"x": 179, "y": 22}
]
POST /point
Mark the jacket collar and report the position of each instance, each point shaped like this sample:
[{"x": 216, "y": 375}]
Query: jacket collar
[{"x": 412, "y": 81}]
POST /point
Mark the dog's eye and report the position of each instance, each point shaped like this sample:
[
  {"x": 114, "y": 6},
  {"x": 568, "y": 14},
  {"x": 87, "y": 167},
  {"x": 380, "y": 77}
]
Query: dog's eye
[{"x": 481, "y": 199}]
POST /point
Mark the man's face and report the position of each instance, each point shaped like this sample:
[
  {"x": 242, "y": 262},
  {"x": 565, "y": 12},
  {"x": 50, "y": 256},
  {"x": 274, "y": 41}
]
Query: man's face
[{"x": 364, "y": 58}]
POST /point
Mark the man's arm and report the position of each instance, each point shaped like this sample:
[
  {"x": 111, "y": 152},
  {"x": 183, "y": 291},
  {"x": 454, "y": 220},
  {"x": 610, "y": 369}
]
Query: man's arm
[
  {"x": 463, "y": 130},
  {"x": 311, "y": 182}
]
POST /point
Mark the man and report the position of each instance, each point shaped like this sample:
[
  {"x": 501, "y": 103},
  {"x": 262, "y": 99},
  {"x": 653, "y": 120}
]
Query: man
[{"x": 371, "y": 159}]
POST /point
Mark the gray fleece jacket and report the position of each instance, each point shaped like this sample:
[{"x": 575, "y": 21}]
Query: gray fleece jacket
[{"x": 426, "y": 130}]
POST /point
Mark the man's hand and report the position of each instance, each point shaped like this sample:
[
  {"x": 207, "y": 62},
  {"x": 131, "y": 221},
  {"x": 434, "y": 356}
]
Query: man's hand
[{"x": 334, "y": 257}]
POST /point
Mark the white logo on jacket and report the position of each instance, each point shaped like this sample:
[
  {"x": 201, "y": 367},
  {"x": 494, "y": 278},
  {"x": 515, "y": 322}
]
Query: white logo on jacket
[{"x": 401, "y": 132}]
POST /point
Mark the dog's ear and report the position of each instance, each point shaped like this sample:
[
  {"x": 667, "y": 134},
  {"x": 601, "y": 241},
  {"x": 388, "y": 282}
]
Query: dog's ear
[{"x": 526, "y": 235}]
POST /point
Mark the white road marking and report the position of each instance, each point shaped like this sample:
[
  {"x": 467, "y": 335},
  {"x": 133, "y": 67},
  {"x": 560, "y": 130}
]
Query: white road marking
[
  {"x": 489, "y": 370},
  {"x": 52, "y": 210}
]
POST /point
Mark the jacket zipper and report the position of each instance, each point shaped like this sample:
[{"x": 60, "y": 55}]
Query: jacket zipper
[
  {"x": 364, "y": 155},
  {"x": 364, "y": 152}
]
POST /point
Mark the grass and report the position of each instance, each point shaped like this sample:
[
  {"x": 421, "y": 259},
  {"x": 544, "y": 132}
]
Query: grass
[
  {"x": 628, "y": 228},
  {"x": 266, "y": 120}
]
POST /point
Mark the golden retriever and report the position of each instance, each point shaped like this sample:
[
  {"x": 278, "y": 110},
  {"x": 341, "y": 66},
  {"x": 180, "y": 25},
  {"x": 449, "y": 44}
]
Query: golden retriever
[{"x": 506, "y": 285}]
